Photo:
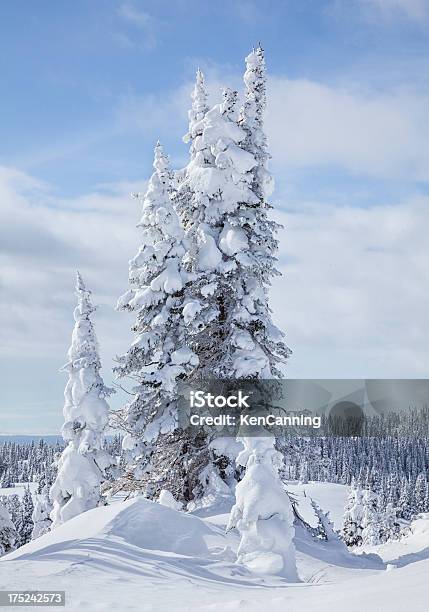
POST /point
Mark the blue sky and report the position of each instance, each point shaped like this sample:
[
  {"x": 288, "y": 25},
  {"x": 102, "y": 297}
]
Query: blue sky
[
  {"x": 71, "y": 70},
  {"x": 86, "y": 89}
]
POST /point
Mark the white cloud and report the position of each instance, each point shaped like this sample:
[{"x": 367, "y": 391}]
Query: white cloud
[
  {"x": 134, "y": 15},
  {"x": 380, "y": 135},
  {"x": 414, "y": 10},
  {"x": 141, "y": 20},
  {"x": 353, "y": 297},
  {"x": 43, "y": 240},
  {"x": 381, "y": 13}
]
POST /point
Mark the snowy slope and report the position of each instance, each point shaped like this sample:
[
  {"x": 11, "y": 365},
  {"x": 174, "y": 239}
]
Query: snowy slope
[
  {"x": 139, "y": 555},
  {"x": 329, "y": 496}
]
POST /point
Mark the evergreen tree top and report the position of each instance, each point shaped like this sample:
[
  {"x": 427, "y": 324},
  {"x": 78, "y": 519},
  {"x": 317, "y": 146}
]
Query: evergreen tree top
[
  {"x": 161, "y": 164},
  {"x": 199, "y": 95},
  {"x": 198, "y": 109},
  {"x": 254, "y": 79},
  {"x": 85, "y": 306},
  {"x": 158, "y": 214}
]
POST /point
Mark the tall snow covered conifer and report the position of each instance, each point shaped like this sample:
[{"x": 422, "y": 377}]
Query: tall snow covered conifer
[
  {"x": 222, "y": 203},
  {"x": 233, "y": 241},
  {"x": 84, "y": 464},
  {"x": 159, "y": 356}
]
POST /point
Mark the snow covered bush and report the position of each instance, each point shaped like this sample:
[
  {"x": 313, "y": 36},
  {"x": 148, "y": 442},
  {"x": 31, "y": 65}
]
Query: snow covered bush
[
  {"x": 166, "y": 499},
  {"x": 8, "y": 535},
  {"x": 263, "y": 513},
  {"x": 84, "y": 464}
]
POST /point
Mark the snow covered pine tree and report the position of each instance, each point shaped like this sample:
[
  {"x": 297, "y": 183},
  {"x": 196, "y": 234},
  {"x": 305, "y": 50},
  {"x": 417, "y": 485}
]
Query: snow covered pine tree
[
  {"x": 84, "y": 464},
  {"x": 226, "y": 309},
  {"x": 158, "y": 450},
  {"x": 24, "y": 524},
  {"x": 223, "y": 209},
  {"x": 352, "y": 527},
  {"x": 8, "y": 535},
  {"x": 372, "y": 521}
]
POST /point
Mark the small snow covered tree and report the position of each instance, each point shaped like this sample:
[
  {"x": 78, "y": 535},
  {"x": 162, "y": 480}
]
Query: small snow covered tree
[
  {"x": 420, "y": 493},
  {"x": 406, "y": 500},
  {"x": 325, "y": 525},
  {"x": 372, "y": 522},
  {"x": 6, "y": 480},
  {"x": 158, "y": 451},
  {"x": 41, "y": 514},
  {"x": 8, "y": 535},
  {"x": 84, "y": 464},
  {"x": 24, "y": 524},
  {"x": 263, "y": 513},
  {"x": 351, "y": 530},
  {"x": 390, "y": 526},
  {"x": 13, "y": 505}
]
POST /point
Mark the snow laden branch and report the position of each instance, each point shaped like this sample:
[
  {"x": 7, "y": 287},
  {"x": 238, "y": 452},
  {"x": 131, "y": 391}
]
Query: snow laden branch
[{"x": 84, "y": 464}]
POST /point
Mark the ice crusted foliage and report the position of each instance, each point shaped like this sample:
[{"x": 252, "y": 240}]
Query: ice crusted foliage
[
  {"x": 159, "y": 356},
  {"x": 41, "y": 514},
  {"x": 8, "y": 535},
  {"x": 263, "y": 513},
  {"x": 232, "y": 252},
  {"x": 84, "y": 464}
]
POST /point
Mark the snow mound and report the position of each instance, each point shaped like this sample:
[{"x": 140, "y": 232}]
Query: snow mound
[
  {"x": 138, "y": 522},
  {"x": 139, "y": 554}
]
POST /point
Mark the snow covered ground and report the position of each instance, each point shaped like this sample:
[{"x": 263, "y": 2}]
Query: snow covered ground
[{"x": 139, "y": 555}]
